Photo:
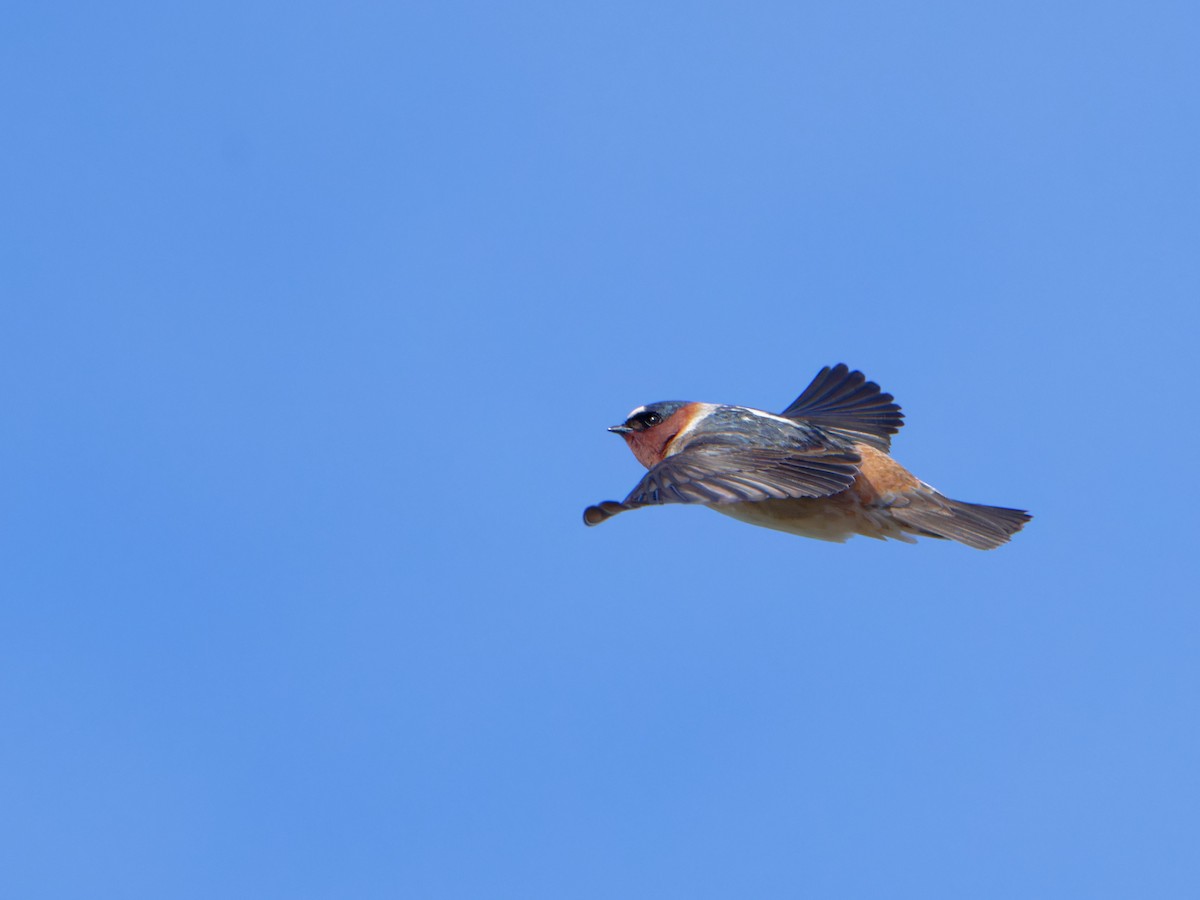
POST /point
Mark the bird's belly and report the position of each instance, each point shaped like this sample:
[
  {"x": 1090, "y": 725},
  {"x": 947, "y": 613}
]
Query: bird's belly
[
  {"x": 857, "y": 510},
  {"x": 823, "y": 518}
]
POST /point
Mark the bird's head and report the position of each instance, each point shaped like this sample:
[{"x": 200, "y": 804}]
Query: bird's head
[{"x": 649, "y": 429}]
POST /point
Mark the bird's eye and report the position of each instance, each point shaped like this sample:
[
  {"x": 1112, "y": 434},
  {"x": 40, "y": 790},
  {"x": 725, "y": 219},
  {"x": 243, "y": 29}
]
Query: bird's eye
[{"x": 645, "y": 420}]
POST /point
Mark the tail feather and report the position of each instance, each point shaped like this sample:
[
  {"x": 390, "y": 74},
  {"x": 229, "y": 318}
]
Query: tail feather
[{"x": 973, "y": 524}]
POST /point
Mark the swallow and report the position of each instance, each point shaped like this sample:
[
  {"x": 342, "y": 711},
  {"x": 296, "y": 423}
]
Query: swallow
[{"x": 821, "y": 468}]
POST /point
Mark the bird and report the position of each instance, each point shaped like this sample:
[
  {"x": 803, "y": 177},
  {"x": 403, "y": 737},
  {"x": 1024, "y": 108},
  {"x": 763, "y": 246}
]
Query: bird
[{"x": 821, "y": 469}]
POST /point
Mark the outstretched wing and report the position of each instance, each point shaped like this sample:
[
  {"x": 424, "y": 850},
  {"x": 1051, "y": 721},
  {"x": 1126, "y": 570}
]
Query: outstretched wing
[
  {"x": 722, "y": 474},
  {"x": 844, "y": 402}
]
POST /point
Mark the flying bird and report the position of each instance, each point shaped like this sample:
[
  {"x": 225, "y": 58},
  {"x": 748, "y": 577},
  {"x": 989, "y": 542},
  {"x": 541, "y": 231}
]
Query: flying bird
[{"x": 819, "y": 469}]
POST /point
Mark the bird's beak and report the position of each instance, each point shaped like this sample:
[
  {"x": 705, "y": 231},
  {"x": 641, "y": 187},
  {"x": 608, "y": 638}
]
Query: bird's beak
[{"x": 620, "y": 429}]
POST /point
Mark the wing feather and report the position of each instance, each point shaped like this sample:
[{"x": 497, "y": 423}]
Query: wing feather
[
  {"x": 844, "y": 402},
  {"x": 717, "y": 474}
]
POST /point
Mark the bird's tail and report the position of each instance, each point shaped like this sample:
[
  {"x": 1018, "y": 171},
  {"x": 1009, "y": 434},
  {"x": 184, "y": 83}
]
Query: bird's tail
[{"x": 982, "y": 527}]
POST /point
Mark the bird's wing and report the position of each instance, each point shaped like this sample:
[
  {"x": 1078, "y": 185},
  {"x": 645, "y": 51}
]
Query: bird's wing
[
  {"x": 845, "y": 403},
  {"x": 716, "y": 474}
]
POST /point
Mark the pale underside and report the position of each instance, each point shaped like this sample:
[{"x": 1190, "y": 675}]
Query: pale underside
[{"x": 819, "y": 519}]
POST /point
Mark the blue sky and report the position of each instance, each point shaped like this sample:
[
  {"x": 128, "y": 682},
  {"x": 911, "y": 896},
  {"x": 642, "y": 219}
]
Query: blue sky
[{"x": 315, "y": 316}]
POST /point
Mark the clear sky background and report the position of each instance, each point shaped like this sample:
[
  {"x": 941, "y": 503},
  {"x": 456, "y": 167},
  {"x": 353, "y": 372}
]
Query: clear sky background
[{"x": 314, "y": 317}]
